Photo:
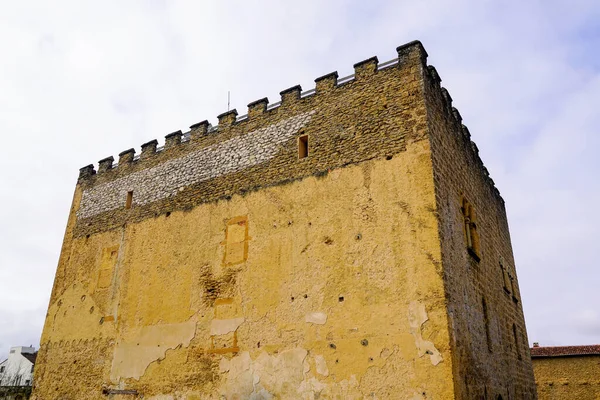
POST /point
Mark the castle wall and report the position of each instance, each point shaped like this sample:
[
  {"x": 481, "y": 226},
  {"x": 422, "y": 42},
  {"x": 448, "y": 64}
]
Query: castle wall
[
  {"x": 261, "y": 274},
  {"x": 572, "y": 377},
  {"x": 489, "y": 359}
]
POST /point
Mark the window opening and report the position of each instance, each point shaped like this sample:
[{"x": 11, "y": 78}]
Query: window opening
[
  {"x": 303, "y": 146},
  {"x": 470, "y": 229},
  {"x": 129, "y": 199},
  {"x": 505, "y": 278},
  {"x": 486, "y": 321},
  {"x": 512, "y": 286},
  {"x": 514, "y": 328}
]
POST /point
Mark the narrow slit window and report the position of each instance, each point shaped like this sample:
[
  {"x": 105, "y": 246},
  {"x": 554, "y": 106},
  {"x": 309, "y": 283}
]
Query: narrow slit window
[
  {"x": 470, "y": 229},
  {"x": 514, "y": 328},
  {"x": 513, "y": 285},
  {"x": 129, "y": 199},
  {"x": 303, "y": 146},
  {"x": 486, "y": 321},
  {"x": 505, "y": 278}
]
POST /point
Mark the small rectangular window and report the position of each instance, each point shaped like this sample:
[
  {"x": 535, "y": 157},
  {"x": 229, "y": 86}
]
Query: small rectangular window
[
  {"x": 2, "y": 369},
  {"x": 303, "y": 146},
  {"x": 129, "y": 199}
]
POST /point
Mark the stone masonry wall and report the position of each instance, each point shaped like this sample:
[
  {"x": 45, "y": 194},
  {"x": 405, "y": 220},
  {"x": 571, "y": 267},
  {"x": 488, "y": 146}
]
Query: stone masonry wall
[
  {"x": 571, "y": 377},
  {"x": 288, "y": 278},
  {"x": 474, "y": 279},
  {"x": 243, "y": 271},
  {"x": 167, "y": 179},
  {"x": 346, "y": 123}
]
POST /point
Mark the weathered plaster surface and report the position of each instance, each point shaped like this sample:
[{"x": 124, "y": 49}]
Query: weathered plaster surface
[
  {"x": 150, "y": 343},
  {"x": 417, "y": 317}
]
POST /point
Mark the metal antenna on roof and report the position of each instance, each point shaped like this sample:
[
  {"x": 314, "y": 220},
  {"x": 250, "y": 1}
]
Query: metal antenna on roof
[{"x": 228, "y": 100}]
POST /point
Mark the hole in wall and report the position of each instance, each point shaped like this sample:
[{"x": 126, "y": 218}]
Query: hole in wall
[
  {"x": 292, "y": 298},
  {"x": 83, "y": 298},
  {"x": 358, "y": 236},
  {"x": 341, "y": 298},
  {"x": 388, "y": 157},
  {"x": 306, "y": 296},
  {"x": 332, "y": 345},
  {"x": 364, "y": 342},
  {"x": 101, "y": 320},
  {"x": 168, "y": 214},
  {"x": 91, "y": 309}
]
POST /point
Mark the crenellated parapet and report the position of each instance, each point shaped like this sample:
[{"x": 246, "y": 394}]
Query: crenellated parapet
[
  {"x": 290, "y": 100},
  {"x": 371, "y": 113},
  {"x": 454, "y": 115}
]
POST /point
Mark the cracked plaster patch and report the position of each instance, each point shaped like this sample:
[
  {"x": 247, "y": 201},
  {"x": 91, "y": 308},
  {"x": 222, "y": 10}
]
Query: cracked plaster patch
[
  {"x": 318, "y": 318},
  {"x": 225, "y": 326},
  {"x": 132, "y": 358},
  {"x": 417, "y": 316},
  {"x": 321, "y": 365}
]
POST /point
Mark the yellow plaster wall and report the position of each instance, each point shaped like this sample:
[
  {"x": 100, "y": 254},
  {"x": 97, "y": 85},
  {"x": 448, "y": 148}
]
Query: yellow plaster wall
[
  {"x": 326, "y": 287},
  {"x": 562, "y": 378}
]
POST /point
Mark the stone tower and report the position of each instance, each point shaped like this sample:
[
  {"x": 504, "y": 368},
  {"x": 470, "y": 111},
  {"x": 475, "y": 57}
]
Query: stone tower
[{"x": 345, "y": 242}]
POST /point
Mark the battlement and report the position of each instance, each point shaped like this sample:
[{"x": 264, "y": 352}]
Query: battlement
[
  {"x": 365, "y": 115},
  {"x": 324, "y": 86},
  {"x": 454, "y": 115}
]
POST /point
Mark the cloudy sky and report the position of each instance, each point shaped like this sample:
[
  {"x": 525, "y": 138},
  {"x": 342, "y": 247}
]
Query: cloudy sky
[{"x": 80, "y": 81}]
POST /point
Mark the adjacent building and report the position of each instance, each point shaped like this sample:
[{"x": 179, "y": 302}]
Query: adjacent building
[
  {"x": 567, "y": 372},
  {"x": 16, "y": 373},
  {"x": 344, "y": 242}
]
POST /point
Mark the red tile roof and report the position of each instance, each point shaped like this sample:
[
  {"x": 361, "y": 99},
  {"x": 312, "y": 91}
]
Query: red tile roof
[{"x": 559, "y": 351}]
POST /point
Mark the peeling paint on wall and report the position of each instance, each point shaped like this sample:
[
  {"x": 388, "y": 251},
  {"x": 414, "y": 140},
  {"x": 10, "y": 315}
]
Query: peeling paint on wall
[
  {"x": 417, "y": 316},
  {"x": 225, "y": 326},
  {"x": 321, "y": 365},
  {"x": 283, "y": 375},
  {"x": 133, "y": 356},
  {"x": 318, "y": 318}
]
